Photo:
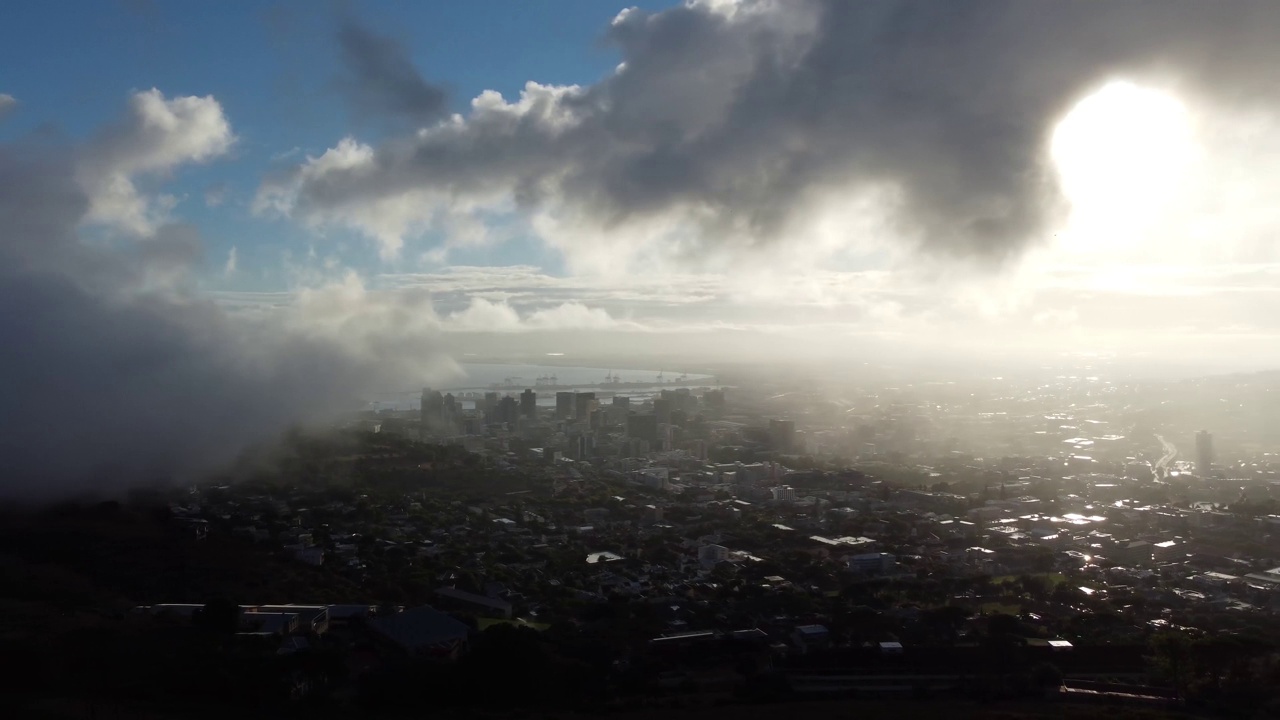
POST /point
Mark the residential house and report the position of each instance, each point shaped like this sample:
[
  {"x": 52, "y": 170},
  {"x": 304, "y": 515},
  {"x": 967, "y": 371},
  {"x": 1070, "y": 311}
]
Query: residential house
[
  {"x": 423, "y": 632},
  {"x": 811, "y": 637},
  {"x": 480, "y": 604}
]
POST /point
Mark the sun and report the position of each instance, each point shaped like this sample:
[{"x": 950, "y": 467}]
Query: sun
[{"x": 1121, "y": 154}]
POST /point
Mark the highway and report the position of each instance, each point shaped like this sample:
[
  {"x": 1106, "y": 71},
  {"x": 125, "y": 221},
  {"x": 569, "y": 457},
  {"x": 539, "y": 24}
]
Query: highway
[{"x": 1161, "y": 469}]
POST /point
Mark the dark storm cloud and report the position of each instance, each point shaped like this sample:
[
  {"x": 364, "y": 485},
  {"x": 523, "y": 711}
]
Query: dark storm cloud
[
  {"x": 382, "y": 79},
  {"x": 116, "y": 371},
  {"x": 735, "y": 119}
]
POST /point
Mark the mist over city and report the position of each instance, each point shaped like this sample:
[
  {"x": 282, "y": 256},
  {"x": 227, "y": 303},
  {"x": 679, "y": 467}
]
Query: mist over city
[{"x": 746, "y": 356}]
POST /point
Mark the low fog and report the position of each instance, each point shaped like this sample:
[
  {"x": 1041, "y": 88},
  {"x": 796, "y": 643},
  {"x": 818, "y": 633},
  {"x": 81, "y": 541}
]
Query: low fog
[{"x": 118, "y": 369}]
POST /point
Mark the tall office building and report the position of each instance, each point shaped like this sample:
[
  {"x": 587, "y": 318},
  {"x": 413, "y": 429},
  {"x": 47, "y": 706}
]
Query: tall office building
[
  {"x": 583, "y": 405},
  {"x": 662, "y": 409},
  {"x": 582, "y": 446},
  {"x": 431, "y": 413},
  {"x": 507, "y": 411},
  {"x": 529, "y": 404},
  {"x": 679, "y": 399},
  {"x": 489, "y": 406},
  {"x": 452, "y": 414},
  {"x": 644, "y": 427},
  {"x": 714, "y": 400},
  {"x": 564, "y": 405},
  {"x": 1204, "y": 453}
]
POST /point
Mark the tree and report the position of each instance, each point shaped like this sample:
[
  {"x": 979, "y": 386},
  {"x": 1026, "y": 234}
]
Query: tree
[
  {"x": 1046, "y": 676},
  {"x": 947, "y": 620},
  {"x": 1042, "y": 560},
  {"x": 1172, "y": 656},
  {"x": 1001, "y": 625},
  {"x": 1034, "y": 585}
]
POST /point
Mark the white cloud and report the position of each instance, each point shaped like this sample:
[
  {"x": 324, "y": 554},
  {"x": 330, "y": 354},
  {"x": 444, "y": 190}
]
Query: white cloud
[
  {"x": 388, "y": 215},
  {"x": 346, "y": 312},
  {"x": 156, "y": 137},
  {"x": 387, "y": 219},
  {"x": 8, "y": 104},
  {"x": 573, "y": 316},
  {"x": 231, "y": 265},
  {"x": 483, "y": 315},
  {"x": 815, "y": 130}
]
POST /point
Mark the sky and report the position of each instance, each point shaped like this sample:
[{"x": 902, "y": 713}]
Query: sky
[
  {"x": 266, "y": 211},
  {"x": 275, "y": 70}
]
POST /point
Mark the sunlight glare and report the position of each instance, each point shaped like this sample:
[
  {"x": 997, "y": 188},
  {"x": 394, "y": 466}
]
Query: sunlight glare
[{"x": 1120, "y": 154}]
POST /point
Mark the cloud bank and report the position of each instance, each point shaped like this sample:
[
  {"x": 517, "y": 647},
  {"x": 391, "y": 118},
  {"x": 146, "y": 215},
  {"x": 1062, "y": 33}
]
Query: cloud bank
[
  {"x": 731, "y": 126},
  {"x": 118, "y": 369}
]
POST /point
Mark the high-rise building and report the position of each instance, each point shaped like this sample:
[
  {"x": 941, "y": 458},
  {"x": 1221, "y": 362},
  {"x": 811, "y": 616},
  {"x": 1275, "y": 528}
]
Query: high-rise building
[
  {"x": 1204, "y": 453},
  {"x": 581, "y": 447},
  {"x": 431, "y": 416},
  {"x": 508, "y": 410},
  {"x": 644, "y": 427},
  {"x": 617, "y": 412},
  {"x": 714, "y": 400},
  {"x": 696, "y": 448},
  {"x": 529, "y": 403},
  {"x": 452, "y": 414},
  {"x": 583, "y": 405},
  {"x": 662, "y": 409},
  {"x": 488, "y": 406},
  {"x": 564, "y": 405},
  {"x": 679, "y": 399}
]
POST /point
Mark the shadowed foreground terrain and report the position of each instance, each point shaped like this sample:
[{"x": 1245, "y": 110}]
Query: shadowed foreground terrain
[{"x": 817, "y": 710}]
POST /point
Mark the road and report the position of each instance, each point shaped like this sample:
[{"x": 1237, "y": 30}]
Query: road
[{"x": 1161, "y": 469}]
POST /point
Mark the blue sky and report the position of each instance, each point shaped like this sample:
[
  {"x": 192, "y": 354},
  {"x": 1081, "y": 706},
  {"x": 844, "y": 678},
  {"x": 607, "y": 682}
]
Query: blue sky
[{"x": 273, "y": 67}]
